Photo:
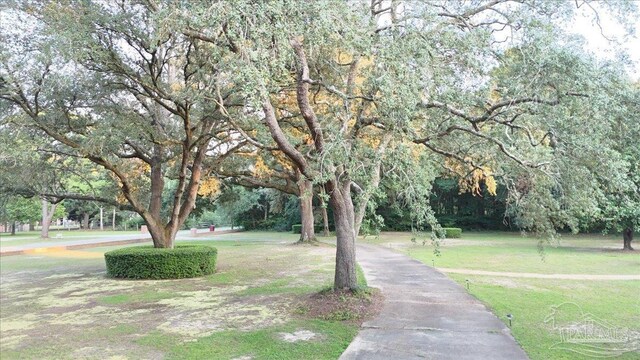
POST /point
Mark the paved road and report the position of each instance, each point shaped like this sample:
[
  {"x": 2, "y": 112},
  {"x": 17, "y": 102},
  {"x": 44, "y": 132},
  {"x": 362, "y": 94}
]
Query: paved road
[
  {"x": 425, "y": 315},
  {"x": 97, "y": 240}
]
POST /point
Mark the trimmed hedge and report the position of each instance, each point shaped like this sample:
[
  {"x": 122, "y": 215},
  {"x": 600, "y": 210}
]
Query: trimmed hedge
[
  {"x": 147, "y": 262},
  {"x": 452, "y": 233},
  {"x": 296, "y": 229}
]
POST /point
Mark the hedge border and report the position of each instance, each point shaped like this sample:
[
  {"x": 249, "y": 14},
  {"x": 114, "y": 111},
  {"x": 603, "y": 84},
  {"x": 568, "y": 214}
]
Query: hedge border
[
  {"x": 452, "y": 233},
  {"x": 147, "y": 262}
]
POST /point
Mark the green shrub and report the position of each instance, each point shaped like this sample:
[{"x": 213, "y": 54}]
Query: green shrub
[
  {"x": 452, "y": 233},
  {"x": 296, "y": 229},
  {"x": 146, "y": 262}
]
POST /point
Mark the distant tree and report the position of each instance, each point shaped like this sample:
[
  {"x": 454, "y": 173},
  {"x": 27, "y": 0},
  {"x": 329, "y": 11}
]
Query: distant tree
[
  {"x": 49, "y": 212},
  {"x": 82, "y": 211},
  {"x": 264, "y": 169},
  {"x": 23, "y": 210},
  {"x": 28, "y": 171},
  {"x": 30, "y": 210},
  {"x": 621, "y": 200}
]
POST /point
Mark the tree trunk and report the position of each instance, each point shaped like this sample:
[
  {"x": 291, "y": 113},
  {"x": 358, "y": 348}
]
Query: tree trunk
[
  {"x": 307, "y": 233},
  {"x": 361, "y": 210},
  {"x": 85, "y": 221},
  {"x": 13, "y": 228},
  {"x": 162, "y": 236},
  {"x": 113, "y": 220},
  {"x": 47, "y": 215},
  {"x": 325, "y": 221},
  {"x": 343, "y": 214},
  {"x": 627, "y": 236}
]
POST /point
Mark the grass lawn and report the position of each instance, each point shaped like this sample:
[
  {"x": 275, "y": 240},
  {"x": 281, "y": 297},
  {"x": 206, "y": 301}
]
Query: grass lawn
[
  {"x": 60, "y": 305},
  {"x": 614, "y": 303}
]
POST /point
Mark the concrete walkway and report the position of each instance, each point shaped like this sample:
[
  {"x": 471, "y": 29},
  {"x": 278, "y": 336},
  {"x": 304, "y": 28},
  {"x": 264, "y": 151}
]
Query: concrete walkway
[
  {"x": 425, "y": 315},
  {"x": 101, "y": 240}
]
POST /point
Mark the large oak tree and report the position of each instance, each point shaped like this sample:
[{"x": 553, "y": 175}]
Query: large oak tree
[
  {"x": 486, "y": 85},
  {"x": 104, "y": 82}
]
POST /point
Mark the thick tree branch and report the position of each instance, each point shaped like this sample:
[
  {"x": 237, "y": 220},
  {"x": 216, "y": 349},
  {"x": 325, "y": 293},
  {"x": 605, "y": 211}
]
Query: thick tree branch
[
  {"x": 302, "y": 96},
  {"x": 72, "y": 196},
  {"x": 280, "y": 138}
]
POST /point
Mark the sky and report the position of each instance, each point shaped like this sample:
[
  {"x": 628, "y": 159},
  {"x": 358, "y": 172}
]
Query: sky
[
  {"x": 606, "y": 41},
  {"x": 604, "y": 35}
]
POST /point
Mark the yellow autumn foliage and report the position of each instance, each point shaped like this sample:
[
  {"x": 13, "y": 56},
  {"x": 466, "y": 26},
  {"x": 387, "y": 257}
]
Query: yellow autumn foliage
[
  {"x": 260, "y": 169},
  {"x": 326, "y": 103},
  {"x": 472, "y": 181},
  {"x": 373, "y": 142},
  {"x": 284, "y": 161},
  {"x": 209, "y": 187},
  {"x": 137, "y": 173}
]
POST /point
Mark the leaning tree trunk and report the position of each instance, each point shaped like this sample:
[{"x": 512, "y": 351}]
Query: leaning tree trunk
[
  {"x": 345, "y": 274},
  {"x": 85, "y": 221},
  {"x": 376, "y": 174},
  {"x": 325, "y": 216},
  {"x": 307, "y": 233},
  {"x": 325, "y": 222},
  {"x": 627, "y": 236},
  {"x": 47, "y": 216}
]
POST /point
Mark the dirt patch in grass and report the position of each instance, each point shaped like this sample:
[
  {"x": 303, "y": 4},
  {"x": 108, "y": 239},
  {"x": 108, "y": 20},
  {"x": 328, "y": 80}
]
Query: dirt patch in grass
[{"x": 352, "y": 306}]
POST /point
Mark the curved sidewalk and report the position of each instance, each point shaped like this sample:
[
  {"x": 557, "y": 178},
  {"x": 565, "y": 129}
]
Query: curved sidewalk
[
  {"x": 425, "y": 315},
  {"x": 99, "y": 241}
]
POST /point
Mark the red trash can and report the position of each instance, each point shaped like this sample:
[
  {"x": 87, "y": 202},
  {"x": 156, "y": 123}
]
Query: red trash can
[{"x": 212, "y": 227}]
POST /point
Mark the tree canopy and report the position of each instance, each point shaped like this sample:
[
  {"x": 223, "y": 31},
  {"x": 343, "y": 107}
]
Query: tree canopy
[{"x": 342, "y": 95}]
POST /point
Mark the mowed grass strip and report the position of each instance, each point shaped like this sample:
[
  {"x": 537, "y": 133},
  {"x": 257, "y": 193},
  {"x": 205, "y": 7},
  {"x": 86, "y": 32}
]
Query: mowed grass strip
[{"x": 511, "y": 252}]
